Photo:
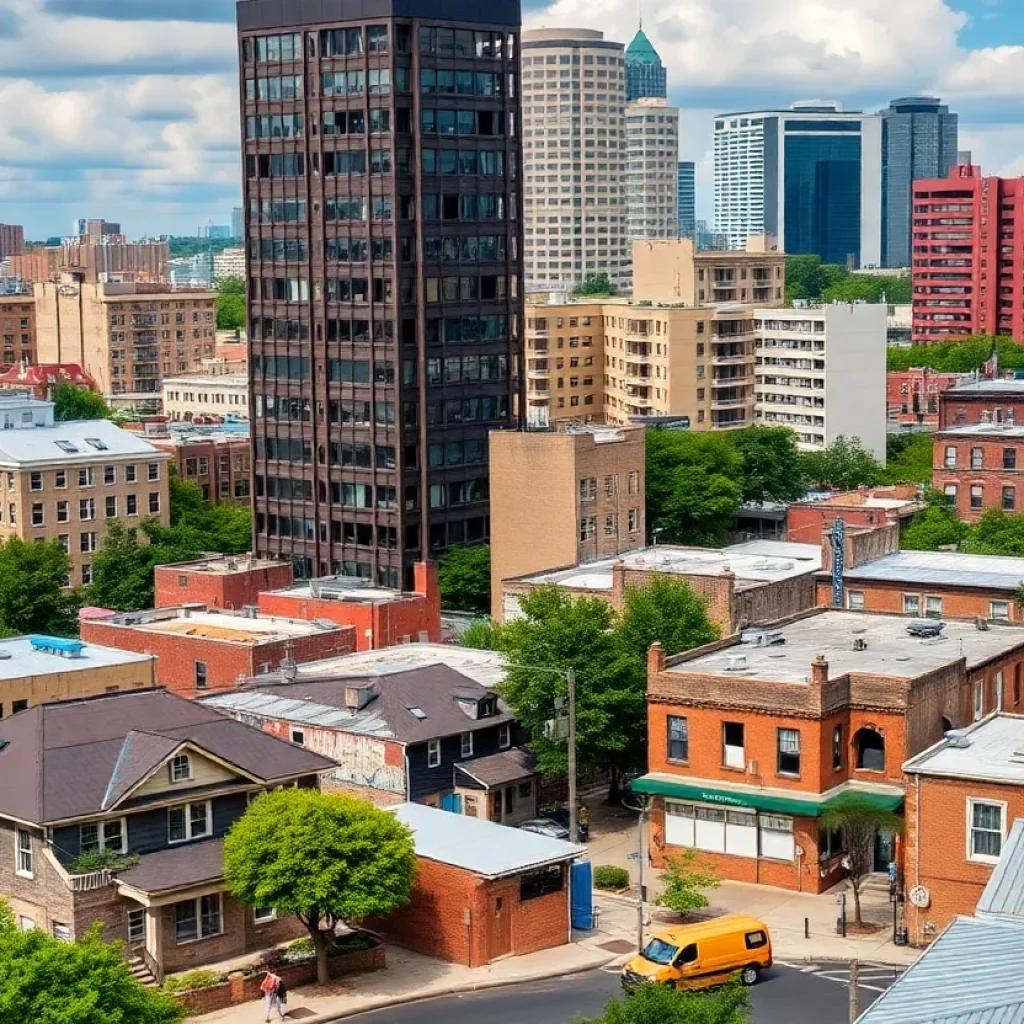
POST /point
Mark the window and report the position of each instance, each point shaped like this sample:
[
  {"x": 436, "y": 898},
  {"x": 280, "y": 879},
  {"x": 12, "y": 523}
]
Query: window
[
  {"x": 732, "y": 745},
  {"x": 433, "y": 753},
  {"x": 61, "y": 932},
  {"x": 755, "y": 940},
  {"x": 98, "y": 836},
  {"x": 109, "y": 474},
  {"x": 870, "y": 748},
  {"x": 60, "y": 478},
  {"x": 588, "y": 528},
  {"x": 933, "y": 607},
  {"x": 25, "y": 924},
  {"x": 634, "y": 482},
  {"x": 35, "y": 481},
  {"x": 37, "y": 513},
  {"x": 86, "y": 509},
  {"x": 111, "y": 506},
  {"x": 18, "y": 705},
  {"x": 153, "y": 471},
  {"x": 984, "y": 830},
  {"x": 1009, "y": 458},
  {"x": 977, "y": 458},
  {"x": 830, "y": 843},
  {"x": 504, "y": 737},
  {"x": 136, "y": 927},
  {"x": 911, "y": 604},
  {"x": 154, "y": 501},
  {"x": 977, "y": 495},
  {"x": 588, "y": 489},
  {"x": 188, "y": 821},
  {"x": 837, "y": 748},
  {"x": 181, "y": 768},
  {"x": 678, "y": 739},
  {"x": 1016, "y": 683},
  {"x": 467, "y": 744},
  {"x": 264, "y": 915},
  {"x": 979, "y": 699},
  {"x": 85, "y": 477},
  {"x": 298, "y": 737},
  {"x": 999, "y": 610},
  {"x": 197, "y": 919},
  {"x": 131, "y": 505},
  {"x": 788, "y": 752},
  {"x": 200, "y": 675},
  {"x": 855, "y": 600},
  {"x": 63, "y": 512},
  {"x": 130, "y": 474},
  {"x": 540, "y": 883},
  {"x": 951, "y": 457},
  {"x": 1009, "y": 499},
  {"x": 776, "y": 836},
  {"x": 24, "y": 858}
]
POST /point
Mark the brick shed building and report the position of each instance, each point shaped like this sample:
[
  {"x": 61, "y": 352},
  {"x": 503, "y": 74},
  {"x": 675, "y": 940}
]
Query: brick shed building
[
  {"x": 980, "y": 466},
  {"x": 869, "y": 507},
  {"x": 230, "y": 582},
  {"x": 963, "y": 795},
  {"x": 199, "y": 649},
  {"x": 751, "y": 738},
  {"x": 976, "y": 401},
  {"x": 482, "y": 891}
]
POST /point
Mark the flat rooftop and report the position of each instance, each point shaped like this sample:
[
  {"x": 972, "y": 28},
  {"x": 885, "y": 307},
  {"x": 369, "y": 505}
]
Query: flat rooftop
[
  {"x": 210, "y": 625},
  {"x": 756, "y": 561},
  {"x": 343, "y": 589},
  {"x": 221, "y": 566},
  {"x": 986, "y": 387},
  {"x": 1014, "y": 430},
  {"x": 18, "y": 658},
  {"x": 228, "y": 380},
  {"x": 991, "y": 749},
  {"x": 943, "y": 568},
  {"x": 891, "y": 650},
  {"x": 485, "y": 667}
]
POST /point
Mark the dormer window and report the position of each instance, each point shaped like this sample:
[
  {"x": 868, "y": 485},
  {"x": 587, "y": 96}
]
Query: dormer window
[
  {"x": 181, "y": 768},
  {"x": 488, "y": 707}
]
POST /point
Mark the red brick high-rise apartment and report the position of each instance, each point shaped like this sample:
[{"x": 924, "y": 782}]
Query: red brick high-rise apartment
[
  {"x": 384, "y": 223},
  {"x": 12, "y": 239},
  {"x": 968, "y": 256}
]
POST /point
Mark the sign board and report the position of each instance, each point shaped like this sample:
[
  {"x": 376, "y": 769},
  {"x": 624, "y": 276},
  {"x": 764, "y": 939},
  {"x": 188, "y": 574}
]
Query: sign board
[{"x": 838, "y": 561}]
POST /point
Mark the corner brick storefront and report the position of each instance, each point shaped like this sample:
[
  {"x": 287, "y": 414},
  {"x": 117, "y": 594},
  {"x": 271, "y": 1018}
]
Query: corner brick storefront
[{"x": 483, "y": 891}]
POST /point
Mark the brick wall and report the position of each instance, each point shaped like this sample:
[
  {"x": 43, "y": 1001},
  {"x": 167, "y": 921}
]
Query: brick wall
[
  {"x": 44, "y": 897},
  {"x": 965, "y": 408},
  {"x": 178, "y": 584},
  {"x": 990, "y": 476},
  {"x": 936, "y": 848},
  {"x": 957, "y": 602}
]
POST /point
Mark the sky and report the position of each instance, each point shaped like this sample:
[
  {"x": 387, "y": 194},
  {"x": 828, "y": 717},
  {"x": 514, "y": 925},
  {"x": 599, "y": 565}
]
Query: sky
[{"x": 128, "y": 110}]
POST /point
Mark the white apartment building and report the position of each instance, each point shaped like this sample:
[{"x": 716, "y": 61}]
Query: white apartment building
[
  {"x": 652, "y": 165},
  {"x": 201, "y": 394},
  {"x": 229, "y": 263},
  {"x": 821, "y": 371},
  {"x": 574, "y": 158},
  {"x": 739, "y": 177}
]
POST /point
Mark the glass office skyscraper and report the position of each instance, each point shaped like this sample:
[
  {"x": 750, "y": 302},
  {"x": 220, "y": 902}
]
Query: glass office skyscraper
[
  {"x": 919, "y": 140},
  {"x": 645, "y": 74},
  {"x": 687, "y": 199}
]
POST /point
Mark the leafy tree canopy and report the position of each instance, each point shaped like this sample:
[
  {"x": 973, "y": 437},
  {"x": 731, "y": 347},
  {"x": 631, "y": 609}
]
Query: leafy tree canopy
[
  {"x": 908, "y": 458},
  {"x": 85, "y": 982},
  {"x": 71, "y": 402},
  {"x": 808, "y": 278},
  {"x": 33, "y": 598},
  {"x": 596, "y": 285},
  {"x": 936, "y": 526},
  {"x": 464, "y": 578},
  {"x": 231, "y": 315},
  {"x": 323, "y": 857},
  {"x": 660, "y": 1004},
  {"x": 772, "y": 470},
  {"x": 843, "y": 466},
  {"x": 958, "y": 356},
  {"x": 192, "y": 245},
  {"x": 996, "y": 533}
]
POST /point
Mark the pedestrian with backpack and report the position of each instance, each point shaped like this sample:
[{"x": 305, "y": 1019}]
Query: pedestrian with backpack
[{"x": 273, "y": 988}]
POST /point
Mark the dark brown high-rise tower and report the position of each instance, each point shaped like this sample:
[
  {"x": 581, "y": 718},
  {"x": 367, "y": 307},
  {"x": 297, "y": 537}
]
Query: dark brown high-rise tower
[{"x": 383, "y": 162}]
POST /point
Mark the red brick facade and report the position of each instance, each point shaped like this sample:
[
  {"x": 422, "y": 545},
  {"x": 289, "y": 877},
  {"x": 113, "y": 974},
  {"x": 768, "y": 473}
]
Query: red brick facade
[
  {"x": 980, "y": 468},
  {"x": 230, "y": 583},
  {"x": 807, "y": 520},
  {"x": 958, "y": 601},
  {"x": 458, "y": 916},
  {"x": 984, "y": 401},
  {"x": 912, "y": 396}
]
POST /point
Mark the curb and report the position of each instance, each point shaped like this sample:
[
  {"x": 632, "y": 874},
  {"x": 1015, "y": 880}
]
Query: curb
[
  {"x": 473, "y": 986},
  {"x": 808, "y": 959}
]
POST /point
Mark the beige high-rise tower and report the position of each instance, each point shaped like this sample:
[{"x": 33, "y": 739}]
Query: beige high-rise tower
[
  {"x": 574, "y": 157},
  {"x": 652, "y": 159}
]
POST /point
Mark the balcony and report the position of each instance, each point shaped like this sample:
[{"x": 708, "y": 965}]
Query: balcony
[
  {"x": 731, "y": 360},
  {"x": 538, "y": 373},
  {"x": 728, "y": 382},
  {"x": 730, "y": 403},
  {"x": 637, "y": 380}
]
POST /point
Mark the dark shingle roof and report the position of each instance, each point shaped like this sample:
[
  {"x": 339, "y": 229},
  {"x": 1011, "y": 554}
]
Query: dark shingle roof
[
  {"x": 63, "y": 760},
  {"x": 498, "y": 769},
  {"x": 177, "y": 868}
]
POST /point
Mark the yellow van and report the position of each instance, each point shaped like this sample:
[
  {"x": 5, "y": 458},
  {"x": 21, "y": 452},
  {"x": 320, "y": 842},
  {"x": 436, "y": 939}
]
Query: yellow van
[{"x": 703, "y": 954}]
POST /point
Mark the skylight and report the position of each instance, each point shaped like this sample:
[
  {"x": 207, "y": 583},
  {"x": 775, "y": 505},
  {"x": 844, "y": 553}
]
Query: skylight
[
  {"x": 66, "y": 446},
  {"x": 416, "y": 712},
  {"x": 100, "y": 446}
]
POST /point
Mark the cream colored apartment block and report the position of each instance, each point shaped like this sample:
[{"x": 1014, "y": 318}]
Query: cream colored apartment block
[
  {"x": 126, "y": 338},
  {"x": 652, "y": 169},
  {"x": 674, "y": 270},
  {"x": 587, "y": 499},
  {"x": 65, "y": 481},
  {"x": 206, "y": 394},
  {"x": 574, "y": 157}
]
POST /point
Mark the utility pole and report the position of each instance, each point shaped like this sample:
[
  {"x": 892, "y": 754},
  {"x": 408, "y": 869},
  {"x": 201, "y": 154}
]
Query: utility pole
[
  {"x": 570, "y": 682},
  {"x": 853, "y": 991},
  {"x": 640, "y": 877}
]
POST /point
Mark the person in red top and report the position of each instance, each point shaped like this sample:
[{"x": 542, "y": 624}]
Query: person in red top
[{"x": 271, "y": 989}]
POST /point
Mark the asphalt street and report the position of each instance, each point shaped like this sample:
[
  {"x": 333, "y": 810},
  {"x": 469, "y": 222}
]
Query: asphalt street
[{"x": 813, "y": 993}]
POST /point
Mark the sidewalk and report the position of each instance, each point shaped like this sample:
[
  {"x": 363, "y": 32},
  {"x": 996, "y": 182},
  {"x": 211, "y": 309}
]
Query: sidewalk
[{"x": 410, "y": 976}]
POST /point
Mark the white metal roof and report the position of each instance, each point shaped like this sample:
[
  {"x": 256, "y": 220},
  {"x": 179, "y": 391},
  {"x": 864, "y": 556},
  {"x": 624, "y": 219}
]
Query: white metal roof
[
  {"x": 39, "y": 445},
  {"x": 18, "y": 658},
  {"x": 483, "y": 847},
  {"x": 1004, "y": 891},
  {"x": 991, "y": 752},
  {"x": 949, "y": 568}
]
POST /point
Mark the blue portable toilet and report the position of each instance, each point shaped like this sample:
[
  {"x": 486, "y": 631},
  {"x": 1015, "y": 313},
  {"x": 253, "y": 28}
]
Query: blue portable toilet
[{"x": 581, "y": 894}]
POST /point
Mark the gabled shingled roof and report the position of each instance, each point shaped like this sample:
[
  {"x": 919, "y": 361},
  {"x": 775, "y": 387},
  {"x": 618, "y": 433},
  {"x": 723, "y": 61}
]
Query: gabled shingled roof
[{"x": 75, "y": 758}]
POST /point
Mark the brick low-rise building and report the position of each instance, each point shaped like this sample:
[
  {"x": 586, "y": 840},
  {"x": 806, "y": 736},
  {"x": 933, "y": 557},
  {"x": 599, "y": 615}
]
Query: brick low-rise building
[
  {"x": 41, "y": 378},
  {"x": 982, "y": 401},
  {"x": 219, "y": 581},
  {"x": 963, "y": 795},
  {"x": 200, "y": 649},
  {"x": 17, "y": 330},
  {"x": 912, "y": 396},
  {"x": 750, "y": 739},
  {"x": 868, "y": 507},
  {"x": 980, "y": 467}
]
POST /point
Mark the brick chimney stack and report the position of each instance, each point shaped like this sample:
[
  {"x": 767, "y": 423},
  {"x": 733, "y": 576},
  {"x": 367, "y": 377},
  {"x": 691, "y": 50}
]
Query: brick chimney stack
[
  {"x": 819, "y": 671},
  {"x": 655, "y": 659}
]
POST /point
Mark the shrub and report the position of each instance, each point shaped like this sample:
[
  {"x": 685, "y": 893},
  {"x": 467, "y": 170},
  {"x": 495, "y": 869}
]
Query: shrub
[
  {"x": 684, "y": 878},
  {"x": 607, "y": 876},
  {"x": 192, "y": 980},
  {"x": 96, "y": 860}
]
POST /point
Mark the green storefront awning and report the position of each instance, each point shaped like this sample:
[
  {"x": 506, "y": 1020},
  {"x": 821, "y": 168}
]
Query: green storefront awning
[{"x": 757, "y": 799}]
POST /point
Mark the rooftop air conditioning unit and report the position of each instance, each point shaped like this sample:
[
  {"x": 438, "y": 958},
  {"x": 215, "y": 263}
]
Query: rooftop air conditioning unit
[
  {"x": 736, "y": 663},
  {"x": 958, "y": 738},
  {"x": 925, "y": 628}
]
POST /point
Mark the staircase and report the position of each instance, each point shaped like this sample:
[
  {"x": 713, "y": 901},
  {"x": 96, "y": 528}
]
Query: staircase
[{"x": 141, "y": 972}]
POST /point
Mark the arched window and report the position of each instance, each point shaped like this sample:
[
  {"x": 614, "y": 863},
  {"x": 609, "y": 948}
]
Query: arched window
[{"x": 870, "y": 749}]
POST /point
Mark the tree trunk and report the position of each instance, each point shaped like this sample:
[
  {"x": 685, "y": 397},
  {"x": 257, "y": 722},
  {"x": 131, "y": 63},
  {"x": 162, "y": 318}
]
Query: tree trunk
[
  {"x": 613, "y": 786},
  {"x": 855, "y": 886},
  {"x": 320, "y": 945}
]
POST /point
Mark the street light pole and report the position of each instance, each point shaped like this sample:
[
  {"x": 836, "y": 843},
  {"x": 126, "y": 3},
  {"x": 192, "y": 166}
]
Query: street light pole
[{"x": 570, "y": 681}]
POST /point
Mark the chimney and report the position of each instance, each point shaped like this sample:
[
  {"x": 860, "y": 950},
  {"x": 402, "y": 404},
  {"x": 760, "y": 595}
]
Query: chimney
[
  {"x": 618, "y": 583},
  {"x": 655, "y": 659},
  {"x": 819, "y": 671}
]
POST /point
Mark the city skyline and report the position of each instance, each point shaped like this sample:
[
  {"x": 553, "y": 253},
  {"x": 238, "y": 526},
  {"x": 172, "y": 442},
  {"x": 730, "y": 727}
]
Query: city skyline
[{"x": 135, "y": 116}]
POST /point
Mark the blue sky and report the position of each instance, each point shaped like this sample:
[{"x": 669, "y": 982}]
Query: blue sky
[{"x": 129, "y": 111}]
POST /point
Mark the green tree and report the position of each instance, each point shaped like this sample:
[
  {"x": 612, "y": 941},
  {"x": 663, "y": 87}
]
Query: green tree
[
  {"x": 996, "y": 533},
  {"x": 46, "y": 981},
  {"x": 685, "y": 878},
  {"x": 226, "y": 527},
  {"x": 71, "y": 402},
  {"x": 935, "y": 526},
  {"x": 661, "y": 1004},
  {"x": 844, "y": 465},
  {"x": 693, "y": 486},
  {"x": 482, "y": 635},
  {"x": 772, "y": 469},
  {"x": 323, "y": 857},
  {"x": 890, "y": 288},
  {"x": 804, "y": 277},
  {"x": 595, "y": 285},
  {"x": 665, "y": 610},
  {"x": 908, "y": 459},
  {"x": 860, "y": 821},
  {"x": 231, "y": 304},
  {"x": 194, "y": 245},
  {"x": 963, "y": 356},
  {"x": 33, "y": 598},
  {"x": 464, "y": 578}
]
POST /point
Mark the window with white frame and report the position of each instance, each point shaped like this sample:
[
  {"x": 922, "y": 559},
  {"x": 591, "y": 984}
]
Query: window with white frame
[
  {"x": 433, "y": 753},
  {"x": 855, "y": 600},
  {"x": 198, "y": 919},
  {"x": 776, "y": 835},
  {"x": 999, "y": 610},
  {"x": 102, "y": 836},
  {"x": 933, "y": 607},
  {"x": 466, "y": 748},
  {"x": 298, "y": 737},
  {"x": 24, "y": 853},
  {"x": 264, "y": 915},
  {"x": 911, "y": 604},
  {"x": 985, "y": 830},
  {"x": 979, "y": 699},
  {"x": 189, "y": 821},
  {"x": 61, "y": 932},
  {"x": 504, "y": 736},
  {"x": 740, "y": 831},
  {"x": 136, "y": 927},
  {"x": 181, "y": 768},
  {"x": 788, "y": 752}
]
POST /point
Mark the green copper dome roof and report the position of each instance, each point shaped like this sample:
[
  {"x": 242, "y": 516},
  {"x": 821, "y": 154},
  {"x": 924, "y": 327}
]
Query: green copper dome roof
[{"x": 641, "y": 51}]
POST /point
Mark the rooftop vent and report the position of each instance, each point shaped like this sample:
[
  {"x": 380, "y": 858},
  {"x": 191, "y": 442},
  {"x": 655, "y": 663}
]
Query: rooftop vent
[
  {"x": 736, "y": 663},
  {"x": 859, "y": 643},
  {"x": 762, "y": 637},
  {"x": 958, "y": 738},
  {"x": 981, "y": 623},
  {"x": 358, "y": 695},
  {"x": 58, "y": 645},
  {"x": 928, "y": 628}
]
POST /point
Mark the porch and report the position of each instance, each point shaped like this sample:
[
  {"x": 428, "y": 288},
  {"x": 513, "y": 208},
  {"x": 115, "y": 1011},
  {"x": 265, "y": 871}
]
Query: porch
[{"x": 501, "y": 788}]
